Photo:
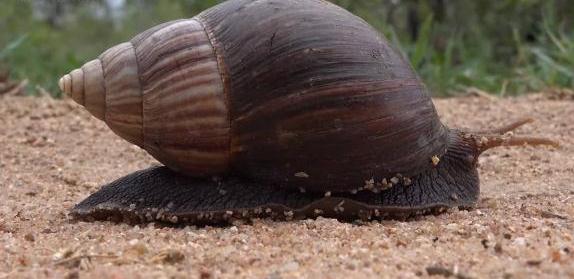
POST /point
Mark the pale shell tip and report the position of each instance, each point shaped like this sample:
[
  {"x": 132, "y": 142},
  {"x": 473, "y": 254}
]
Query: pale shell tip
[{"x": 65, "y": 84}]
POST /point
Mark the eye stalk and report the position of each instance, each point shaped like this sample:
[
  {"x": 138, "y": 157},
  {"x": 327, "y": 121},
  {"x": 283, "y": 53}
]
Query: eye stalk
[{"x": 504, "y": 136}]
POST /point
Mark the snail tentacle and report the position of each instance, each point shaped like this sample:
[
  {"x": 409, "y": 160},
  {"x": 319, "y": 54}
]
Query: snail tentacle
[
  {"x": 507, "y": 128},
  {"x": 486, "y": 142},
  {"x": 503, "y": 136}
]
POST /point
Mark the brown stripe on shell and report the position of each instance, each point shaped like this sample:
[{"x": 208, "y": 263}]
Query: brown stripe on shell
[
  {"x": 164, "y": 73},
  {"x": 175, "y": 81},
  {"x": 195, "y": 119},
  {"x": 95, "y": 91},
  {"x": 176, "y": 49},
  {"x": 123, "y": 93},
  {"x": 186, "y": 122}
]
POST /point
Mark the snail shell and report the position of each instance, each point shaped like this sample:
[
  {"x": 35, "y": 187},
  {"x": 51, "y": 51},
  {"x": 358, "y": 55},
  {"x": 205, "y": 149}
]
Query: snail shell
[
  {"x": 292, "y": 93},
  {"x": 299, "y": 94}
]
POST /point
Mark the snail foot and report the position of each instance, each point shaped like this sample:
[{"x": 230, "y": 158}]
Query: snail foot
[{"x": 160, "y": 195}]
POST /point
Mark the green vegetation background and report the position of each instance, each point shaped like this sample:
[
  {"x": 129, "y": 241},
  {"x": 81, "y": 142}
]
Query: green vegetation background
[{"x": 499, "y": 46}]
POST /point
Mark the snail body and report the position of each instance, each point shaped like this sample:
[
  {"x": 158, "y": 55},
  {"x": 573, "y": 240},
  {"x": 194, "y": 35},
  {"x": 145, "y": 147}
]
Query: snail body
[{"x": 279, "y": 98}]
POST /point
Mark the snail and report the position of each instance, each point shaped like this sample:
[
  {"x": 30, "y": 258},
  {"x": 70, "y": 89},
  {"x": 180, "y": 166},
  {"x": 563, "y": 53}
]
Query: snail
[{"x": 275, "y": 108}]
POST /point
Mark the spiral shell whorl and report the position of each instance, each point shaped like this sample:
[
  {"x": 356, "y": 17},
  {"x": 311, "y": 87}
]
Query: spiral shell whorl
[
  {"x": 123, "y": 109},
  {"x": 186, "y": 122},
  {"x": 163, "y": 92},
  {"x": 86, "y": 87}
]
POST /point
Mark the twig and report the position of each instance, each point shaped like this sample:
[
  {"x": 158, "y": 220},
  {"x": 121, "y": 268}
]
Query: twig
[
  {"x": 473, "y": 91},
  {"x": 42, "y": 92},
  {"x": 79, "y": 257},
  {"x": 548, "y": 214},
  {"x": 16, "y": 90}
]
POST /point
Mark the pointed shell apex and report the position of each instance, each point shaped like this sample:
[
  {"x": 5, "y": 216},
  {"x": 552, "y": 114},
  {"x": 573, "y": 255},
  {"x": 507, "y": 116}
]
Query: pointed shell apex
[
  {"x": 61, "y": 83},
  {"x": 65, "y": 84},
  {"x": 77, "y": 86}
]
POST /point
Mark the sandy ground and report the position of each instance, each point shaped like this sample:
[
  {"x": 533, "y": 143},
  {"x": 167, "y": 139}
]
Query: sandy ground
[{"x": 53, "y": 154}]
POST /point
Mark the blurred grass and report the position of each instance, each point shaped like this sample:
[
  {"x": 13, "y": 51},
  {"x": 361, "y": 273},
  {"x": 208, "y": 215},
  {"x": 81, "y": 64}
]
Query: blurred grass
[{"x": 505, "y": 47}]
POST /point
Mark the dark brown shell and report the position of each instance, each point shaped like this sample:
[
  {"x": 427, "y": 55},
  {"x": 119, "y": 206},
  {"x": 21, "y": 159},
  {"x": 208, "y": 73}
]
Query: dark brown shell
[
  {"x": 318, "y": 98},
  {"x": 293, "y": 93}
]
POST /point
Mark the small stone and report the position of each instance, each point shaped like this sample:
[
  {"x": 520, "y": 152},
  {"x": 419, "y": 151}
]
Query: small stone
[
  {"x": 556, "y": 256},
  {"x": 452, "y": 226},
  {"x": 62, "y": 254},
  {"x": 484, "y": 243},
  {"x": 439, "y": 270},
  {"x": 29, "y": 237},
  {"x": 369, "y": 183},
  {"x": 534, "y": 262},
  {"x": 328, "y": 194},
  {"x": 173, "y": 219},
  {"x": 290, "y": 266},
  {"x": 205, "y": 274},
  {"x": 386, "y": 185},
  {"x": 339, "y": 207},
  {"x": 72, "y": 275},
  {"x": 302, "y": 175},
  {"x": 407, "y": 181},
  {"x": 498, "y": 247},
  {"x": 521, "y": 241},
  {"x": 435, "y": 160},
  {"x": 137, "y": 249},
  {"x": 169, "y": 257},
  {"x": 48, "y": 230}
]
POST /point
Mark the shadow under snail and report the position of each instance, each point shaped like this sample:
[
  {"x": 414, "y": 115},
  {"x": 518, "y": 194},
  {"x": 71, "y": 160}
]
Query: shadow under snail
[{"x": 275, "y": 108}]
